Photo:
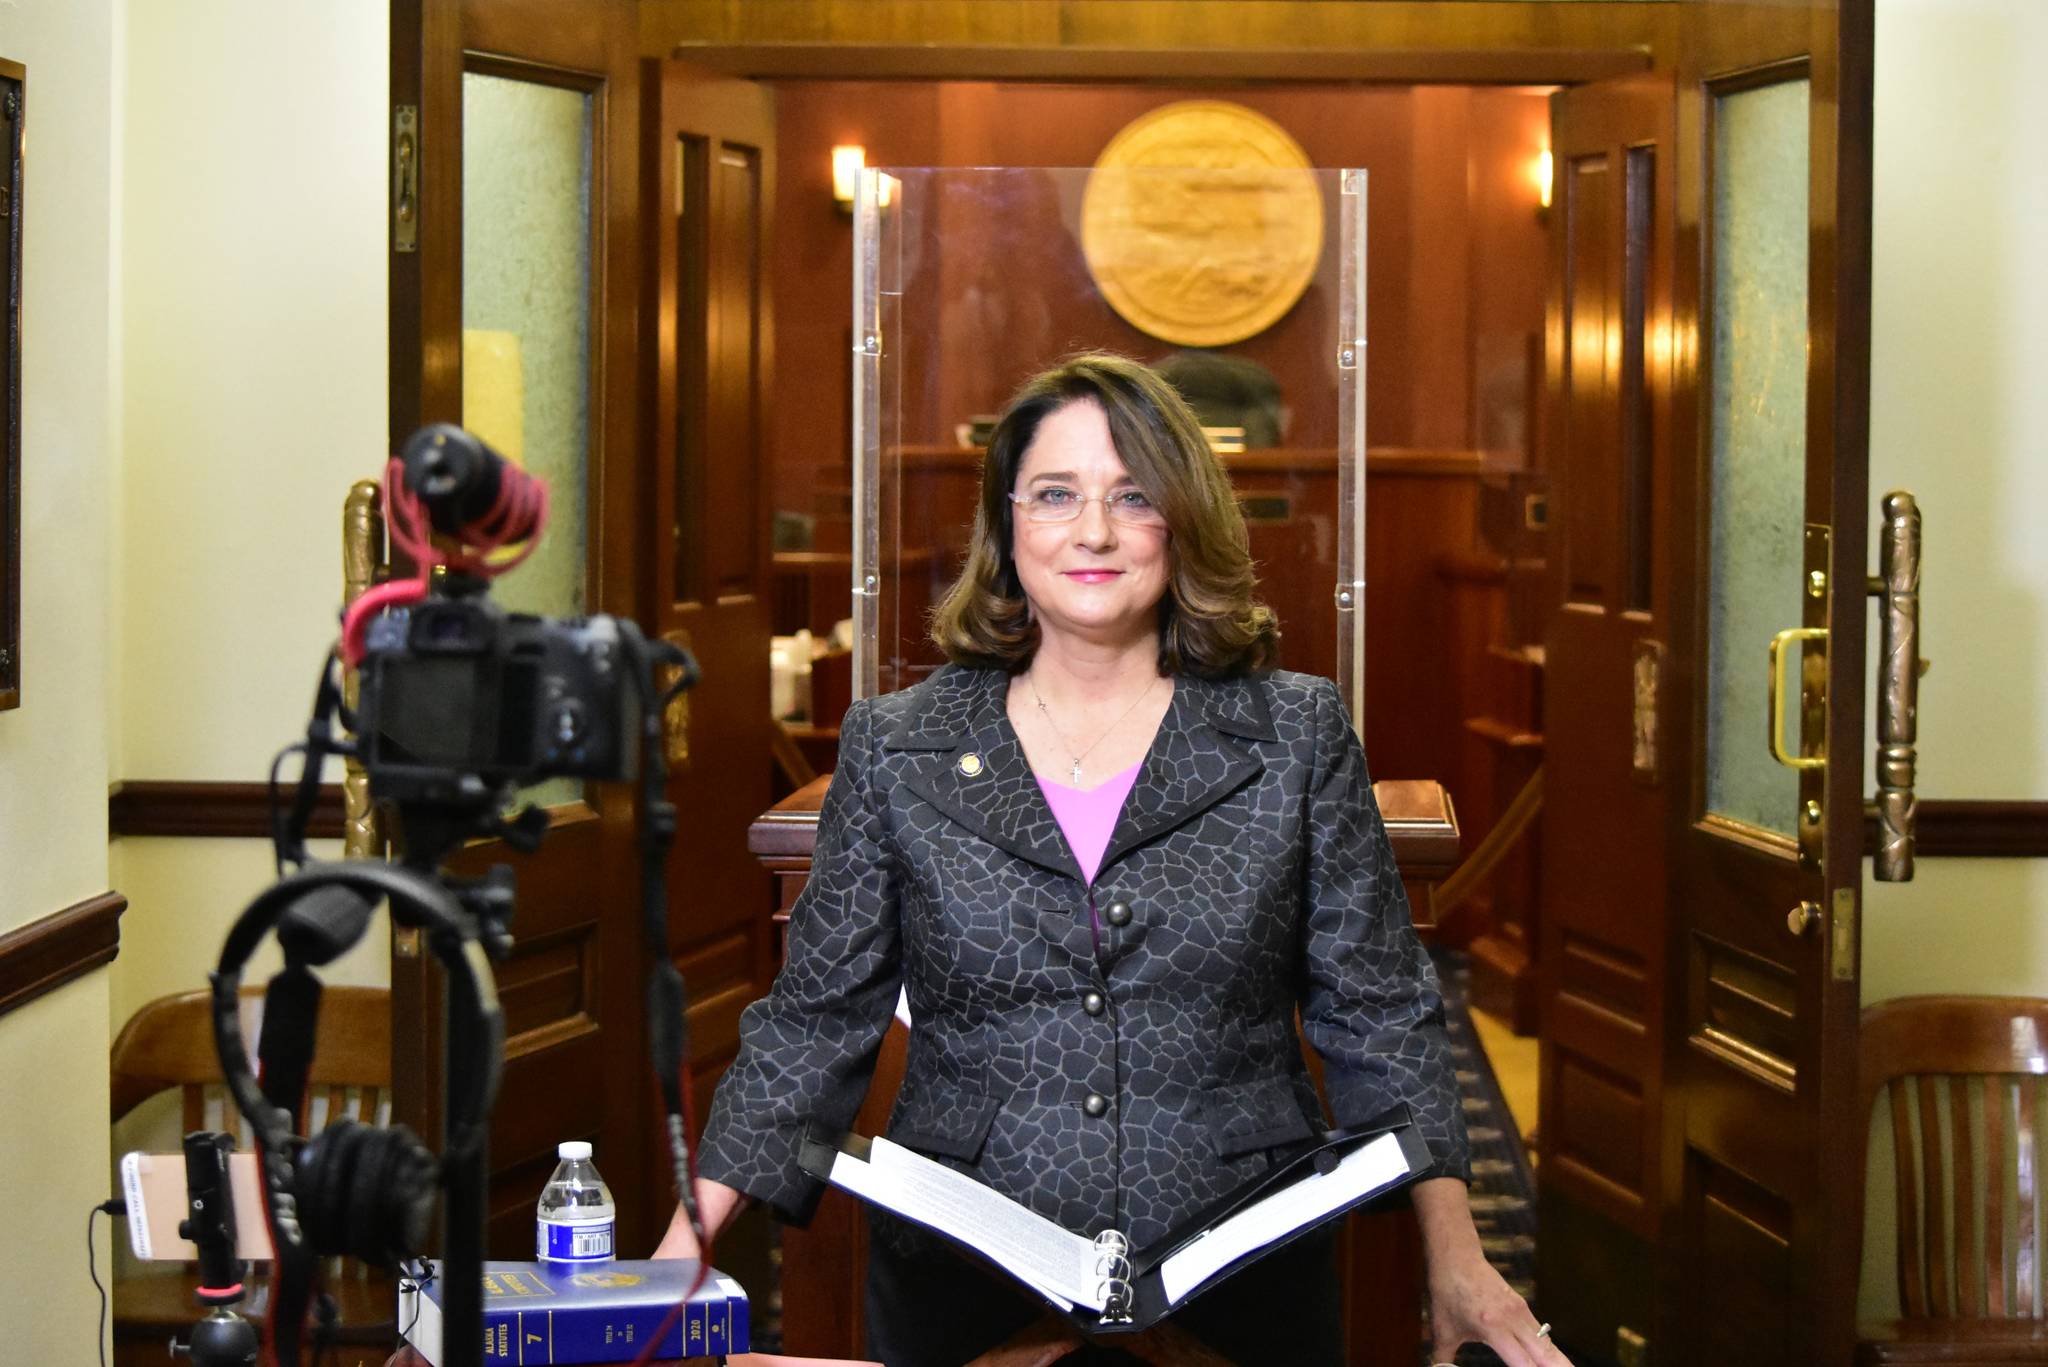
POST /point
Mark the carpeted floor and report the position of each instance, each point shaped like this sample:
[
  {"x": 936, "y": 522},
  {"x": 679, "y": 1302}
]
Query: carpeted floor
[{"x": 1503, "y": 1185}]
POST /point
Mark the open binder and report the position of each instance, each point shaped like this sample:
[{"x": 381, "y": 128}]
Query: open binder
[{"x": 1102, "y": 1283}]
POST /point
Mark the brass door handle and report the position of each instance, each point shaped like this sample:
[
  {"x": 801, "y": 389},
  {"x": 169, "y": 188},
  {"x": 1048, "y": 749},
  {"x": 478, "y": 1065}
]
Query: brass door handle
[
  {"x": 1896, "y": 586},
  {"x": 1777, "y": 695},
  {"x": 1803, "y": 918}
]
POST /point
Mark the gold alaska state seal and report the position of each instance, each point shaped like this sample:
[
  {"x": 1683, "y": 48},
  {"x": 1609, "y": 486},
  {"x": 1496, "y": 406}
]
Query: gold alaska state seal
[{"x": 1201, "y": 222}]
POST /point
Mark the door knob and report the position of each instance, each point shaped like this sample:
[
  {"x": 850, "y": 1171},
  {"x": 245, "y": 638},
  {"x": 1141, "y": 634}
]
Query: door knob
[{"x": 1803, "y": 918}]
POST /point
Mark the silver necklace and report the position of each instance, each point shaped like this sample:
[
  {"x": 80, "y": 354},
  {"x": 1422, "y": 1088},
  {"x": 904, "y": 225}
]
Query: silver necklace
[{"x": 1046, "y": 712}]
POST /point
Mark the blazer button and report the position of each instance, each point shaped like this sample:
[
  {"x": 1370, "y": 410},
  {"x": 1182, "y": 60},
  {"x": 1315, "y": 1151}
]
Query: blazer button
[
  {"x": 1094, "y": 1003},
  {"x": 1118, "y": 913},
  {"x": 1097, "y": 1105}
]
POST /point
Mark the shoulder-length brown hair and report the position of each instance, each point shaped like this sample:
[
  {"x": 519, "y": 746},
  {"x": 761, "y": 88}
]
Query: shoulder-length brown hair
[{"x": 1211, "y": 622}]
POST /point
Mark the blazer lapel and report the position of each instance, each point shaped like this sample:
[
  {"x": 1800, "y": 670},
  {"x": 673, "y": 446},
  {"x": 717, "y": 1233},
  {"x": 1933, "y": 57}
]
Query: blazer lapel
[
  {"x": 978, "y": 775},
  {"x": 1194, "y": 762}
]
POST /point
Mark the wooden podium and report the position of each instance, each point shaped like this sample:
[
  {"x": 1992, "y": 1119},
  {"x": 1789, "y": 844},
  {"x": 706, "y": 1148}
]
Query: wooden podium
[{"x": 824, "y": 1266}]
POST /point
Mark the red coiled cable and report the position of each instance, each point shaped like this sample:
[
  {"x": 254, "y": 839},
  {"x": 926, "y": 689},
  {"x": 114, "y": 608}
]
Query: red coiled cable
[{"x": 518, "y": 515}]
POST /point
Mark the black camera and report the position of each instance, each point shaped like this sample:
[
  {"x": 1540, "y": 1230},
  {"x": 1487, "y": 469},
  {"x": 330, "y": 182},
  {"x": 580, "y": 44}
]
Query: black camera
[{"x": 458, "y": 697}]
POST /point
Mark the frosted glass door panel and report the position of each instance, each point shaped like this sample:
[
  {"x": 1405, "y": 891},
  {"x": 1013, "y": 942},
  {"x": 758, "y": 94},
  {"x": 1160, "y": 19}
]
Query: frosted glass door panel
[
  {"x": 526, "y": 310},
  {"x": 526, "y": 249},
  {"x": 1757, "y": 419}
]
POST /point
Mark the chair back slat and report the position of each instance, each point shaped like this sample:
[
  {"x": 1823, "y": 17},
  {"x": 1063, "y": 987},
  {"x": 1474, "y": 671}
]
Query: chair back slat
[
  {"x": 1997, "y": 1273},
  {"x": 1962, "y": 1144},
  {"x": 1933, "y": 1224},
  {"x": 1962, "y": 1077},
  {"x": 1906, "y": 1194},
  {"x": 2025, "y": 1228}
]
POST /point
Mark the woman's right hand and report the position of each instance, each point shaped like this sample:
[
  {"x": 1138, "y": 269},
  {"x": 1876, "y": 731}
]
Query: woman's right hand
[{"x": 717, "y": 1204}]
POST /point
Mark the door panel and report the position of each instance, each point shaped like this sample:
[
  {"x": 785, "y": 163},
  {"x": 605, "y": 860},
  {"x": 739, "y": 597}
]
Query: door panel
[
  {"x": 1739, "y": 1267},
  {"x": 709, "y": 146},
  {"x": 516, "y": 311},
  {"x": 1603, "y": 980}
]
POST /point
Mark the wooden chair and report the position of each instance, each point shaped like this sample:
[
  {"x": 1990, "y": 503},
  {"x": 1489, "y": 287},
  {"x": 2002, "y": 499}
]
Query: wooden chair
[
  {"x": 168, "y": 1046},
  {"x": 1964, "y": 1080}
]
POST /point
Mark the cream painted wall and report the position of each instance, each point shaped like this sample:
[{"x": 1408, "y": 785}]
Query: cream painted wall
[
  {"x": 254, "y": 393},
  {"x": 254, "y": 342},
  {"x": 53, "y": 749},
  {"x": 1959, "y": 415}
]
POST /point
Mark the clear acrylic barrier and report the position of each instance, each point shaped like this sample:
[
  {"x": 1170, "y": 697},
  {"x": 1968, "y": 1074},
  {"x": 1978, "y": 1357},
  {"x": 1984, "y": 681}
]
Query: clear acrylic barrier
[{"x": 967, "y": 282}]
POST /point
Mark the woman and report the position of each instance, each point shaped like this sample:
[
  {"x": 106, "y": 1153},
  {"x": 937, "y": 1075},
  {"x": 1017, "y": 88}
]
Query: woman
[{"x": 1108, "y": 854}]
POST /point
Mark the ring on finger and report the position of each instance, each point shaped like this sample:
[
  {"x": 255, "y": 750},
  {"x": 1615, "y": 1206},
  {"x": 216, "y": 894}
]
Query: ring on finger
[{"x": 1543, "y": 1330}]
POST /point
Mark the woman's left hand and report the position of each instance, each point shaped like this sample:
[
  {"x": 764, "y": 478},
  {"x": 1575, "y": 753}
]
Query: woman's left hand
[{"x": 1470, "y": 1302}]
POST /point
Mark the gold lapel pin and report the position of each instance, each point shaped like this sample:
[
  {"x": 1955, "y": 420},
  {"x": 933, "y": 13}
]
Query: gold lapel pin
[{"x": 970, "y": 764}]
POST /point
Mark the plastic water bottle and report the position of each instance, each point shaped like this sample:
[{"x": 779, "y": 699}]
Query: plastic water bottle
[{"x": 575, "y": 1217}]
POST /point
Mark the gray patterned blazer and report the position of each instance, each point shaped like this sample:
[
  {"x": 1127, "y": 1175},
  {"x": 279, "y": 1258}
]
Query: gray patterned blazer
[{"x": 1249, "y": 875}]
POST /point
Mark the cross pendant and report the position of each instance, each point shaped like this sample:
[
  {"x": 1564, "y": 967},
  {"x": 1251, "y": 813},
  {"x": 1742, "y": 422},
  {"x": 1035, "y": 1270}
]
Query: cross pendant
[{"x": 1077, "y": 773}]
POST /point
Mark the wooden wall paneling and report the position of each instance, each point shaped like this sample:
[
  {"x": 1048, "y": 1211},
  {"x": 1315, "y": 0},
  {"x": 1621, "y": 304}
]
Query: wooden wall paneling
[
  {"x": 1505, "y": 748},
  {"x": 1412, "y": 510},
  {"x": 1438, "y": 354},
  {"x": 1400, "y": 41}
]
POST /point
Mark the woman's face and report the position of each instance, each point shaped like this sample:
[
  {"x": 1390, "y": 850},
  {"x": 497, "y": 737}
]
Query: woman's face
[{"x": 1096, "y": 578}]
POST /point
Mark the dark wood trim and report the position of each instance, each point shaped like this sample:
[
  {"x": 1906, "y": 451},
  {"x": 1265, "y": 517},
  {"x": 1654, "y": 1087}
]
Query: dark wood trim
[
  {"x": 1035, "y": 62},
  {"x": 14, "y": 93},
  {"x": 1761, "y": 74},
  {"x": 47, "y": 953},
  {"x": 1956, "y": 829},
  {"x": 191, "y": 808}
]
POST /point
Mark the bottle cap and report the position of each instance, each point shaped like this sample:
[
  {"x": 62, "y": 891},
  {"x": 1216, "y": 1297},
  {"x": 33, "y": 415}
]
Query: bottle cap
[{"x": 573, "y": 1148}]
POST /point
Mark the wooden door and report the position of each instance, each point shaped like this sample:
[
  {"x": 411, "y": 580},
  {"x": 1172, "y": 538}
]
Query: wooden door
[
  {"x": 1708, "y": 369},
  {"x": 514, "y": 297},
  {"x": 709, "y": 148},
  {"x": 1602, "y": 984},
  {"x": 1770, "y": 414}
]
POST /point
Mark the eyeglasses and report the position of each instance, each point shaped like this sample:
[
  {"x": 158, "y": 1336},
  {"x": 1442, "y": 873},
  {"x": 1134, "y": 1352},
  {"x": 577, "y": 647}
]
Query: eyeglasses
[{"x": 1057, "y": 503}]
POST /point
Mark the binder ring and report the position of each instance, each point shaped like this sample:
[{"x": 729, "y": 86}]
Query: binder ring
[{"x": 1114, "y": 1266}]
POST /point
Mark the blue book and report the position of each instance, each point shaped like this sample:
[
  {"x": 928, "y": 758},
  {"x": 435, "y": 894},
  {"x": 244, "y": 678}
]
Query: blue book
[{"x": 542, "y": 1313}]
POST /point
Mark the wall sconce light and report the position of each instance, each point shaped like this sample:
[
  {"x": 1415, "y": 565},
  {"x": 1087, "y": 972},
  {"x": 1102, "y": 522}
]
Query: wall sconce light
[
  {"x": 1542, "y": 172},
  {"x": 847, "y": 160}
]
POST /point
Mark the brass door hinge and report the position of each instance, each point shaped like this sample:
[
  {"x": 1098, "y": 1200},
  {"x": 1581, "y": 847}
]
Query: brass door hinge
[
  {"x": 1842, "y": 936},
  {"x": 405, "y": 178}
]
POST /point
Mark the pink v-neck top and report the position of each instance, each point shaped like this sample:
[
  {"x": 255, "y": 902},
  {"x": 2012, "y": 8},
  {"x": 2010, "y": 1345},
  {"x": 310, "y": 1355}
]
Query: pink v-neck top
[{"x": 1088, "y": 815}]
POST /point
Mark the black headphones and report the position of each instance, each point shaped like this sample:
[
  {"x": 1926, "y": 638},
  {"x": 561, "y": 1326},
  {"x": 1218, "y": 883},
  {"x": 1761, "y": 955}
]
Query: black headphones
[{"x": 357, "y": 1190}]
